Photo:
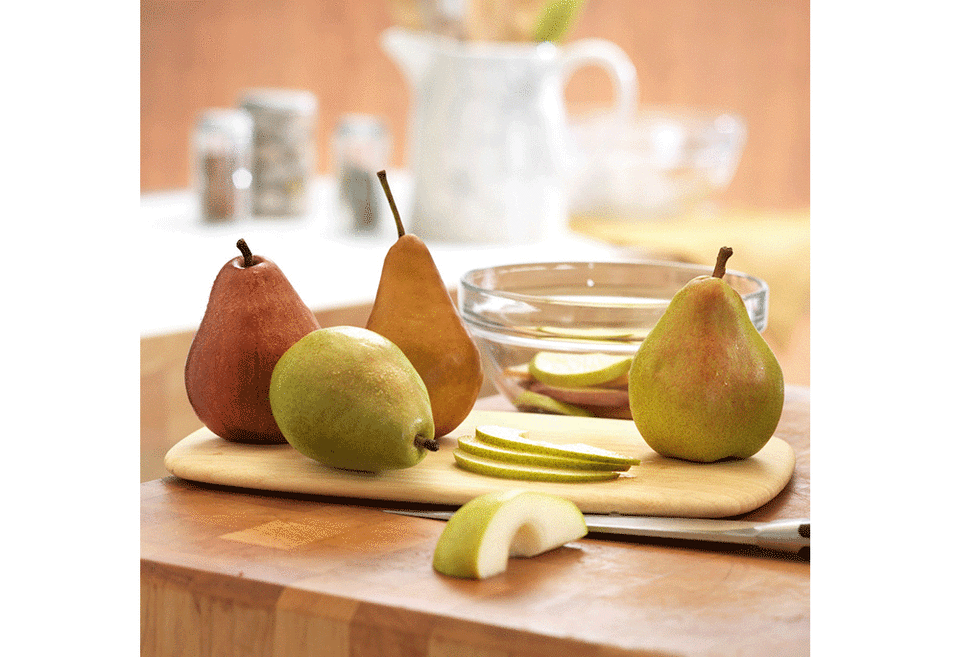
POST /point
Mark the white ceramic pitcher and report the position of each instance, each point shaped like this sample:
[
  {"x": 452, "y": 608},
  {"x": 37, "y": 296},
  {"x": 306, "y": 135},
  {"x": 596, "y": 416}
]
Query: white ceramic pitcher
[{"x": 488, "y": 141}]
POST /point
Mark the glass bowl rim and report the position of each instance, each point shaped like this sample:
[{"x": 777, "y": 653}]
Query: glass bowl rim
[{"x": 763, "y": 289}]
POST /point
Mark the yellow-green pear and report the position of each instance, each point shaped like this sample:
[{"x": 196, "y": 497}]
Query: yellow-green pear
[
  {"x": 480, "y": 537},
  {"x": 349, "y": 398},
  {"x": 704, "y": 384}
]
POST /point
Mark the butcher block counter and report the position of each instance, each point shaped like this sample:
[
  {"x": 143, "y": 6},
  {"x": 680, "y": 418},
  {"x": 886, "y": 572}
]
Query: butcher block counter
[{"x": 232, "y": 571}]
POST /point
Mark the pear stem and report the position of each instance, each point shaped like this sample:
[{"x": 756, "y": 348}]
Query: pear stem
[
  {"x": 382, "y": 175},
  {"x": 426, "y": 443},
  {"x": 247, "y": 253},
  {"x": 721, "y": 268}
]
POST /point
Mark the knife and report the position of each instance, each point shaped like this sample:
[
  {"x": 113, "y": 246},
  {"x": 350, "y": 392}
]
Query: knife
[{"x": 792, "y": 535}]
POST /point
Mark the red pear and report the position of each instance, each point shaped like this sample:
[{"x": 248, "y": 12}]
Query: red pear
[{"x": 253, "y": 316}]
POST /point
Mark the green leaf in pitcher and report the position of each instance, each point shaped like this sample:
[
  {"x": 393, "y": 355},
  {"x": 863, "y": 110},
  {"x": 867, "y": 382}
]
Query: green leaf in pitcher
[{"x": 556, "y": 18}]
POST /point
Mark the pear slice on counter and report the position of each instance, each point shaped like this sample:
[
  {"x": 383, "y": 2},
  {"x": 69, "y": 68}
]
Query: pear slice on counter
[
  {"x": 484, "y": 533},
  {"x": 519, "y": 440},
  {"x": 475, "y": 447},
  {"x": 492, "y": 468},
  {"x": 580, "y": 370},
  {"x": 536, "y": 402}
]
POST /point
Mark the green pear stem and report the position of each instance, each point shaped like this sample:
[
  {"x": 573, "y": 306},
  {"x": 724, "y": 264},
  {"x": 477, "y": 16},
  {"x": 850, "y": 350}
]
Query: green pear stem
[
  {"x": 382, "y": 175},
  {"x": 427, "y": 443},
  {"x": 247, "y": 253},
  {"x": 721, "y": 268}
]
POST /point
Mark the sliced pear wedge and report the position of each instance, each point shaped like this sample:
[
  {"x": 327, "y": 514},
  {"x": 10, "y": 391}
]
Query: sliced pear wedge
[
  {"x": 475, "y": 447},
  {"x": 540, "y": 403},
  {"x": 519, "y": 440},
  {"x": 579, "y": 370},
  {"x": 485, "y": 532},
  {"x": 492, "y": 468},
  {"x": 588, "y": 396}
]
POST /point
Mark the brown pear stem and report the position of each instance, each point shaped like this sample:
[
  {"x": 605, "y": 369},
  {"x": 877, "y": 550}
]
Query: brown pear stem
[
  {"x": 721, "y": 268},
  {"x": 382, "y": 175},
  {"x": 247, "y": 253},
  {"x": 427, "y": 443}
]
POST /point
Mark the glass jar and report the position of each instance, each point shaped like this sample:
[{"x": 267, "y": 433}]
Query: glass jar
[
  {"x": 222, "y": 143},
  {"x": 284, "y": 123},
  {"x": 360, "y": 147}
]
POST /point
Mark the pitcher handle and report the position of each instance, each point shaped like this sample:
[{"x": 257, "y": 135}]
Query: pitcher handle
[{"x": 612, "y": 59}]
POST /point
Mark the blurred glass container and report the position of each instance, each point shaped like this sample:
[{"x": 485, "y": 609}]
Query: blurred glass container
[
  {"x": 221, "y": 148},
  {"x": 361, "y": 147},
  {"x": 666, "y": 163},
  {"x": 283, "y": 149}
]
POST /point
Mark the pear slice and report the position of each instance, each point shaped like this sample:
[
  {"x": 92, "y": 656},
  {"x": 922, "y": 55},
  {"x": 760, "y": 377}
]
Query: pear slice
[
  {"x": 480, "y": 537},
  {"x": 579, "y": 370},
  {"x": 589, "y": 396},
  {"x": 476, "y": 448},
  {"x": 605, "y": 334},
  {"x": 519, "y": 372},
  {"x": 492, "y": 468},
  {"x": 534, "y": 401},
  {"x": 517, "y": 439}
]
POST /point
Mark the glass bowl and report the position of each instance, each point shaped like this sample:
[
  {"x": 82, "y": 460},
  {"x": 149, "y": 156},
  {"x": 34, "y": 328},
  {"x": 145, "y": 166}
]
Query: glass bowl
[
  {"x": 581, "y": 320},
  {"x": 665, "y": 162}
]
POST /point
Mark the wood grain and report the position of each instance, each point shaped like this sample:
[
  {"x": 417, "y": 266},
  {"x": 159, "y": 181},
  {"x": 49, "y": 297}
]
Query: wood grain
[
  {"x": 241, "y": 572},
  {"x": 657, "y": 486},
  {"x": 740, "y": 55}
]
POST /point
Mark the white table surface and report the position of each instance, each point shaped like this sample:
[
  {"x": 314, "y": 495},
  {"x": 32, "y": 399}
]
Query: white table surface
[{"x": 329, "y": 266}]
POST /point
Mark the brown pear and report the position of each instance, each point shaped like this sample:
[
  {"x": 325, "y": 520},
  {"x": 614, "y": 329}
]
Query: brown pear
[
  {"x": 413, "y": 309},
  {"x": 253, "y": 316}
]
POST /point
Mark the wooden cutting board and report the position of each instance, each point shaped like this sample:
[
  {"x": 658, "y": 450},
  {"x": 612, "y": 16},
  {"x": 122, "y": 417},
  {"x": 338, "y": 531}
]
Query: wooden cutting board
[{"x": 656, "y": 486}]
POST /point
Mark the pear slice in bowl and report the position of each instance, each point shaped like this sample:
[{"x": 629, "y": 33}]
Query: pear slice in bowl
[
  {"x": 493, "y": 468},
  {"x": 519, "y": 440},
  {"x": 536, "y": 402},
  {"x": 474, "y": 447},
  {"x": 485, "y": 532},
  {"x": 587, "y": 396},
  {"x": 580, "y": 370}
]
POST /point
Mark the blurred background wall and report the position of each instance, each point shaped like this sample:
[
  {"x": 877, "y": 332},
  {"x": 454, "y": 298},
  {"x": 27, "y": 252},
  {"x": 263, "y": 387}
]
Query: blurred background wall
[{"x": 746, "y": 56}]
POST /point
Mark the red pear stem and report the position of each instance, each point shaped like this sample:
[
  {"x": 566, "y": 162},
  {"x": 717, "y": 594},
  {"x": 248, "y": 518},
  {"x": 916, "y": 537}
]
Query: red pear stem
[
  {"x": 382, "y": 175},
  {"x": 722, "y": 257},
  {"x": 247, "y": 253},
  {"x": 427, "y": 443}
]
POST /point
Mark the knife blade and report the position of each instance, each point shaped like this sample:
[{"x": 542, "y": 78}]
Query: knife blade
[{"x": 790, "y": 535}]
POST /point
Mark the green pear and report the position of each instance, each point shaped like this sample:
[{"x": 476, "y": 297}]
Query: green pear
[
  {"x": 349, "y": 398},
  {"x": 705, "y": 385},
  {"x": 485, "y": 532}
]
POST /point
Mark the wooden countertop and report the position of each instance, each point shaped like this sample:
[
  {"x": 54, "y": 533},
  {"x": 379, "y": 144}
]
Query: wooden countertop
[{"x": 231, "y": 571}]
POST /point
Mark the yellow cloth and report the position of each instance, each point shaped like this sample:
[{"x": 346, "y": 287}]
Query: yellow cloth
[{"x": 771, "y": 245}]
